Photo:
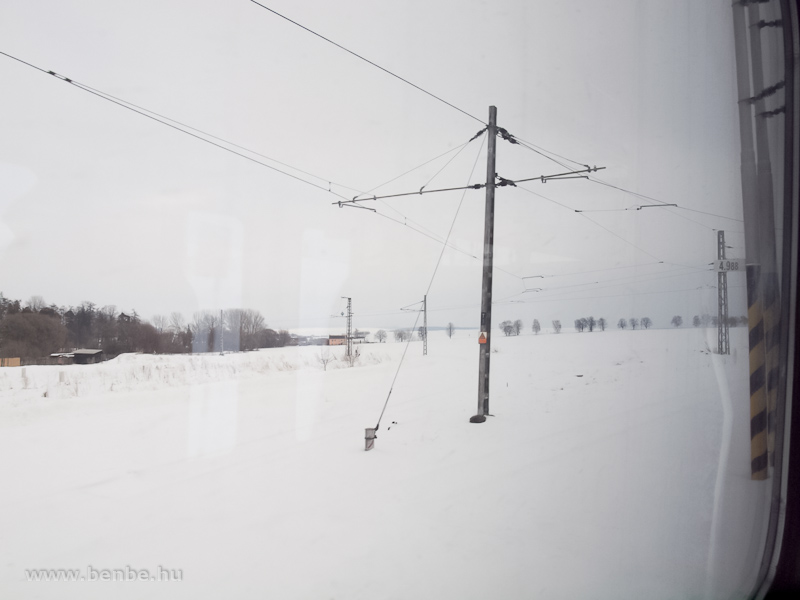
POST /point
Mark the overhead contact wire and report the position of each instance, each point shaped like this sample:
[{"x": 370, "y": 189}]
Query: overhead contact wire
[
  {"x": 151, "y": 115},
  {"x": 387, "y": 71}
]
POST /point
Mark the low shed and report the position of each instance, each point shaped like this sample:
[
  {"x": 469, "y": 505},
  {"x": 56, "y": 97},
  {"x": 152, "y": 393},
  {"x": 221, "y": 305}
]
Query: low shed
[{"x": 86, "y": 356}]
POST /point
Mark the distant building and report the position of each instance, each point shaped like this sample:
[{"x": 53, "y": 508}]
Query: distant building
[
  {"x": 337, "y": 340},
  {"x": 87, "y": 356},
  {"x": 307, "y": 340}
]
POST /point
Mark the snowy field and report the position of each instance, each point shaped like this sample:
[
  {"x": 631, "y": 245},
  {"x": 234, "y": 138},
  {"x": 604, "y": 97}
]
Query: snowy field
[{"x": 617, "y": 466}]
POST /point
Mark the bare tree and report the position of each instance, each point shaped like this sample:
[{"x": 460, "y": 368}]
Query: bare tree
[
  {"x": 450, "y": 330},
  {"x": 677, "y": 320},
  {"x": 400, "y": 335},
  {"x": 557, "y": 326},
  {"x": 634, "y": 322},
  {"x": 622, "y": 323},
  {"x": 324, "y": 357},
  {"x": 507, "y": 327},
  {"x": 696, "y": 321},
  {"x": 160, "y": 323},
  {"x": 646, "y": 322},
  {"x": 517, "y": 327},
  {"x": 284, "y": 338},
  {"x": 591, "y": 323},
  {"x": 601, "y": 323},
  {"x": 380, "y": 335},
  {"x": 176, "y": 322},
  {"x": 35, "y": 303},
  {"x": 251, "y": 326},
  {"x": 580, "y": 325},
  {"x": 536, "y": 327},
  {"x": 421, "y": 332}
]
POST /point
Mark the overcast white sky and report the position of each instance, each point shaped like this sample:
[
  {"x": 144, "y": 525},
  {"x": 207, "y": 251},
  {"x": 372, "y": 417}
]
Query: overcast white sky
[{"x": 98, "y": 203}]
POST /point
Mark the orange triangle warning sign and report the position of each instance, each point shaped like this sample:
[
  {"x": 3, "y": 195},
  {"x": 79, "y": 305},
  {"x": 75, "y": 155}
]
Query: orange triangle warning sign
[{"x": 482, "y": 338}]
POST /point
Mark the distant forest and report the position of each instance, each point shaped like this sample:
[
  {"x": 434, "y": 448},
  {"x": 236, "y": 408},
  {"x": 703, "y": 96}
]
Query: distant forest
[{"x": 34, "y": 329}]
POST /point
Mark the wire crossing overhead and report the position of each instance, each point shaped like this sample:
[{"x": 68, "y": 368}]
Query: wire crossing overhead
[
  {"x": 512, "y": 139},
  {"x": 178, "y": 126},
  {"x": 366, "y": 60}
]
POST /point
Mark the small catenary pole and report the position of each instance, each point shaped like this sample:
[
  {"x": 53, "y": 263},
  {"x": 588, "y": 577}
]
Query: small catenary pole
[
  {"x": 723, "y": 333},
  {"x": 425, "y": 325},
  {"x": 349, "y": 333}
]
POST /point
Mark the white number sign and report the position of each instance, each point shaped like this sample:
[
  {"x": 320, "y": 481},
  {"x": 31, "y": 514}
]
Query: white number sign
[{"x": 729, "y": 264}]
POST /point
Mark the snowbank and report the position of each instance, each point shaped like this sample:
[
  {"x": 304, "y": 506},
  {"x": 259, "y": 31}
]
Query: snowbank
[{"x": 133, "y": 372}]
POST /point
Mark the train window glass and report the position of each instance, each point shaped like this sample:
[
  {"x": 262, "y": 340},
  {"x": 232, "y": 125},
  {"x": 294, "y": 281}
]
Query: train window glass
[{"x": 540, "y": 252}]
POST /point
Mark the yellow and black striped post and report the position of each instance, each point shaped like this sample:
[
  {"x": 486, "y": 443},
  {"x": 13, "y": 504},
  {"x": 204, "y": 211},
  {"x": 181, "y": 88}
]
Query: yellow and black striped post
[
  {"x": 772, "y": 327},
  {"x": 759, "y": 464}
]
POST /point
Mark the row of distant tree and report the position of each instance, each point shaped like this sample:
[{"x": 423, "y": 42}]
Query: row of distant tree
[
  {"x": 583, "y": 324},
  {"x": 34, "y": 329},
  {"x": 402, "y": 335},
  {"x": 590, "y": 323}
]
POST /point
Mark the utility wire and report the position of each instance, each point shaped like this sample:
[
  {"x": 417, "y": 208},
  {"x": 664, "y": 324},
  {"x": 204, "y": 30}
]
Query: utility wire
[
  {"x": 392, "y": 208},
  {"x": 530, "y": 191},
  {"x": 558, "y": 162},
  {"x": 637, "y": 279},
  {"x": 211, "y": 135},
  {"x": 545, "y": 153},
  {"x": 617, "y": 295},
  {"x": 457, "y": 249},
  {"x": 592, "y": 221},
  {"x": 637, "y": 194},
  {"x": 598, "y": 270},
  {"x": 459, "y": 148},
  {"x": 165, "y": 121},
  {"x": 439, "y": 240},
  {"x": 452, "y": 158},
  {"x": 644, "y": 278},
  {"x": 620, "y": 237},
  {"x": 424, "y": 91}
]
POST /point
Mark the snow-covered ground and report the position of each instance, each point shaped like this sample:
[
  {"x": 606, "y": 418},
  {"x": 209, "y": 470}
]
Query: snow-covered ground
[{"x": 617, "y": 466}]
